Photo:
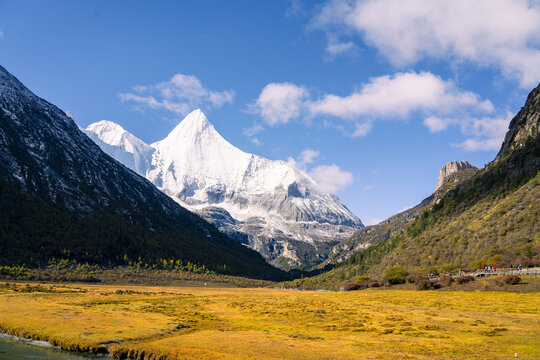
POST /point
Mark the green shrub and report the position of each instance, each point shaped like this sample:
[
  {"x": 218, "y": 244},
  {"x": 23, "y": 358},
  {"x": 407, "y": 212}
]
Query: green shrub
[
  {"x": 423, "y": 284},
  {"x": 360, "y": 279},
  {"x": 395, "y": 280},
  {"x": 373, "y": 283},
  {"x": 447, "y": 267},
  {"x": 411, "y": 279},
  {"x": 396, "y": 271}
]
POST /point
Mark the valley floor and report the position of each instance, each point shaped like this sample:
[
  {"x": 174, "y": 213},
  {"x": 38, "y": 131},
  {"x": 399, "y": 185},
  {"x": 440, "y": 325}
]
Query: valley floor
[{"x": 261, "y": 323}]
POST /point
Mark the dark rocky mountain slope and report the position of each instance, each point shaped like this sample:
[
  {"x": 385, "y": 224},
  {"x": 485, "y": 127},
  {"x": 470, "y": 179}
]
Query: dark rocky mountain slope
[{"x": 62, "y": 197}]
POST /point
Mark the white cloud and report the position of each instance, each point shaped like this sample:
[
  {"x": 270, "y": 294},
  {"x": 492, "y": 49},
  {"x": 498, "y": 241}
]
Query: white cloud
[
  {"x": 336, "y": 47},
  {"x": 436, "y": 124},
  {"x": 181, "y": 94},
  {"x": 308, "y": 156},
  {"x": 251, "y": 131},
  {"x": 292, "y": 161},
  {"x": 295, "y": 9},
  {"x": 388, "y": 96},
  {"x": 256, "y": 141},
  {"x": 331, "y": 178},
  {"x": 500, "y": 33},
  {"x": 392, "y": 97},
  {"x": 1, "y": 34},
  {"x": 485, "y": 133},
  {"x": 399, "y": 95},
  {"x": 362, "y": 129},
  {"x": 278, "y": 103}
]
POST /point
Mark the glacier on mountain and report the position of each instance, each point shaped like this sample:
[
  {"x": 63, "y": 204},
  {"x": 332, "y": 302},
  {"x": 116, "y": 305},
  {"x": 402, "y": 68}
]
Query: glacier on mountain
[{"x": 269, "y": 205}]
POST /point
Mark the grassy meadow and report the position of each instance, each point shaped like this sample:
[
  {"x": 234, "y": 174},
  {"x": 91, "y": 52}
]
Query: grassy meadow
[{"x": 152, "y": 322}]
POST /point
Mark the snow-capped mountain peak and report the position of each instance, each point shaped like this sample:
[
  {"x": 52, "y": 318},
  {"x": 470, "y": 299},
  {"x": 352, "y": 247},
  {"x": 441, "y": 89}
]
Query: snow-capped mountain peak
[
  {"x": 194, "y": 125},
  {"x": 114, "y": 134},
  {"x": 269, "y": 204},
  {"x": 121, "y": 145}
]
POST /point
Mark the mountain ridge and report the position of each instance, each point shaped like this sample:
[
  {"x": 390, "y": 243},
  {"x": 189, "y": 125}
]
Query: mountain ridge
[{"x": 269, "y": 205}]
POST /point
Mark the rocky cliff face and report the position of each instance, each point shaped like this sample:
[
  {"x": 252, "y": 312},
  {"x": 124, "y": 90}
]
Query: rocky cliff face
[
  {"x": 450, "y": 168},
  {"x": 524, "y": 126},
  {"x": 269, "y": 205}
]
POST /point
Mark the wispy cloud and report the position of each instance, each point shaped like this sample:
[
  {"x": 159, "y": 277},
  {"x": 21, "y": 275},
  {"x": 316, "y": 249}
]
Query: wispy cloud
[
  {"x": 485, "y": 133},
  {"x": 252, "y": 131},
  {"x": 336, "y": 47},
  {"x": 181, "y": 94},
  {"x": 296, "y": 8},
  {"x": 499, "y": 33},
  {"x": 256, "y": 141}
]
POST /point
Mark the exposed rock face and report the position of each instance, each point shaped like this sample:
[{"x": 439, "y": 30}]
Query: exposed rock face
[
  {"x": 269, "y": 205},
  {"x": 524, "y": 125},
  {"x": 450, "y": 168}
]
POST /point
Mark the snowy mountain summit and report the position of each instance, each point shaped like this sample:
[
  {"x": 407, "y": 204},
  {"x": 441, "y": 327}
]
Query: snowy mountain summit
[{"x": 268, "y": 205}]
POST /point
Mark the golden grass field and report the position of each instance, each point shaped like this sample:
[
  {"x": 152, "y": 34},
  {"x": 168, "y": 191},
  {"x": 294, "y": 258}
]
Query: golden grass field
[{"x": 233, "y": 323}]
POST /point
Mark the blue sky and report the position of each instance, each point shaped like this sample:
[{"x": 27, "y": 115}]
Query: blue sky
[{"x": 370, "y": 98}]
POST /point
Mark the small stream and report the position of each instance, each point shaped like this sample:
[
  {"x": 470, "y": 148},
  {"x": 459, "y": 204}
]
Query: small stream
[{"x": 12, "y": 348}]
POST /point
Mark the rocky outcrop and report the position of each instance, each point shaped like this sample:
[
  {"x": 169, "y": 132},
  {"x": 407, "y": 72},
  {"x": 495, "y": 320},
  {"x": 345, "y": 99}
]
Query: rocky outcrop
[
  {"x": 450, "y": 175},
  {"x": 450, "y": 168},
  {"x": 524, "y": 126}
]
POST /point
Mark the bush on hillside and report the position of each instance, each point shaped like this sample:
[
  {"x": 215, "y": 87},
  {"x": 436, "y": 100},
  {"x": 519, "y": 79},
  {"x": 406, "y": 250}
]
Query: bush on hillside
[
  {"x": 423, "y": 284},
  {"x": 512, "y": 279},
  {"x": 447, "y": 267},
  {"x": 396, "y": 271},
  {"x": 353, "y": 286},
  {"x": 447, "y": 281},
  {"x": 373, "y": 284},
  {"x": 464, "y": 279},
  {"x": 426, "y": 284},
  {"x": 362, "y": 278},
  {"x": 411, "y": 279},
  {"x": 395, "y": 280},
  {"x": 396, "y": 275}
]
